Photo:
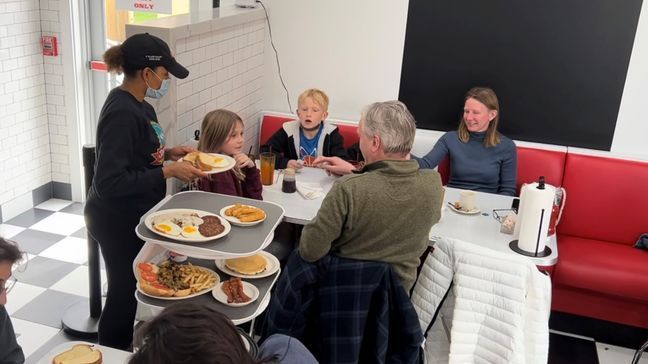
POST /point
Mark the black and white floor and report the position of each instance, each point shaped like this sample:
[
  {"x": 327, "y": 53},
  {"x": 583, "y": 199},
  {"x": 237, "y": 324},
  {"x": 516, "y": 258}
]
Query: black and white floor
[{"x": 55, "y": 276}]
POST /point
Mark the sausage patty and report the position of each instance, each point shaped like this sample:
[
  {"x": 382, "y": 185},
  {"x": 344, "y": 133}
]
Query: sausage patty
[{"x": 211, "y": 226}]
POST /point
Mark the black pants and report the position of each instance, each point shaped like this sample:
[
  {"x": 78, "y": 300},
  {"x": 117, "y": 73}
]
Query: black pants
[{"x": 119, "y": 247}]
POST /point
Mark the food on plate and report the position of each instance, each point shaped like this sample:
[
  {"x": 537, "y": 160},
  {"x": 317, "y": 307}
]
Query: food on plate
[
  {"x": 172, "y": 279},
  {"x": 245, "y": 213},
  {"x": 211, "y": 226},
  {"x": 251, "y": 265},
  {"x": 188, "y": 225},
  {"x": 204, "y": 161},
  {"x": 233, "y": 289},
  {"x": 168, "y": 227},
  {"x": 191, "y": 232},
  {"x": 79, "y": 354},
  {"x": 457, "y": 205}
]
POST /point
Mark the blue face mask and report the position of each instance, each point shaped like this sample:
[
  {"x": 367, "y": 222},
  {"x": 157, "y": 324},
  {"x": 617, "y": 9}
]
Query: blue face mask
[{"x": 159, "y": 93}]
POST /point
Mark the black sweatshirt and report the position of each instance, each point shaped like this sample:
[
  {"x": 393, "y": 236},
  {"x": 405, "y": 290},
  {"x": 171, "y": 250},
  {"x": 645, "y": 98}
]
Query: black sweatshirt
[{"x": 128, "y": 178}]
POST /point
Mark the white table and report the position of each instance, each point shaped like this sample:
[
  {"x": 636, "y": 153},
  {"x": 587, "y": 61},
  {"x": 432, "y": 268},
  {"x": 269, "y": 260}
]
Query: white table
[
  {"x": 108, "y": 354},
  {"x": 298, "y": 210},
  {"x": 479, "y": 229},
  {"x": 483, "y": 229}
]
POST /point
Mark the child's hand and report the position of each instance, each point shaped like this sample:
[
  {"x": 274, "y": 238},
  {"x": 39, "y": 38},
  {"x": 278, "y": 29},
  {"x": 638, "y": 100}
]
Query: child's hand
[
  {"x": 242, "y": 160},
  {"x": 294, "y": 164}
]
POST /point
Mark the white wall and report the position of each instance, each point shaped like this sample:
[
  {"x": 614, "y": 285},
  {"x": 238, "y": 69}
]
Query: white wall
[
  {"x": 25, "y": 161},
  {"x": 353, "y": 50}
]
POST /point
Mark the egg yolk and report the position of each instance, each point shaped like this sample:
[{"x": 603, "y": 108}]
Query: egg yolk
[
  {"x": 190, "y": 229},
  {"x": 165, "y": 227}
]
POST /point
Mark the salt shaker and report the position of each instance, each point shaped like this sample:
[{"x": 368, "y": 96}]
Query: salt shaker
[{"x": 289, "y": 185}]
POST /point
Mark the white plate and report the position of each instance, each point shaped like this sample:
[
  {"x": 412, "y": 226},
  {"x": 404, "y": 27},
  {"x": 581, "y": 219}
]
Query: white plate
[
  {"x": 271, "y": 268},
  {"x": 236, "y": 221},
  {"x": 230, "y": 163},
  {"x": 471, "y": 212},
  {"x": 149, "y": 224},
  {"x": 248, "y": 288},
  {"x": 188, "y": 296}
]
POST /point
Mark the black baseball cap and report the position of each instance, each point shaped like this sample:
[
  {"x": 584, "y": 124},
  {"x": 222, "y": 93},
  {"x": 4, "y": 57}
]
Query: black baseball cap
[{"x": 145, "y": 50}]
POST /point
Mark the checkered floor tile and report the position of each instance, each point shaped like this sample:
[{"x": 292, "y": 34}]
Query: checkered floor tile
[{"x": 55, "y": 276}]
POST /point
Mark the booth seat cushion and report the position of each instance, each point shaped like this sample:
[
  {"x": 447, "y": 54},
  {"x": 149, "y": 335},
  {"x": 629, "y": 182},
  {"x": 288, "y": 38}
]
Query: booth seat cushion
[
  {"x": 606, "y": 199},
  {"x": 599, "y": 266},
  {"x": 534, "y": 162}
]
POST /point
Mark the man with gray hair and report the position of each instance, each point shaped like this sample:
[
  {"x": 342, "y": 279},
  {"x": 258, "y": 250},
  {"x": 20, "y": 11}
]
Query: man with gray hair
[{"x": 385, "y": 211}]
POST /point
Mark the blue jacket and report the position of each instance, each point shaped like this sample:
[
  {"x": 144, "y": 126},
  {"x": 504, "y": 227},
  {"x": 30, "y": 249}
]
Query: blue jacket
[{"x": 345, "y": 311}]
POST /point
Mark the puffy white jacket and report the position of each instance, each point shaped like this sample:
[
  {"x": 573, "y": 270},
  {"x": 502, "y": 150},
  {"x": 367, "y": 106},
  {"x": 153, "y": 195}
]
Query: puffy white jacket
[{"x": 500, "y": 305}]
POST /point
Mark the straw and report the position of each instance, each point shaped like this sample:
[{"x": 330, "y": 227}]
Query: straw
[{"x": 250, "y": 151}]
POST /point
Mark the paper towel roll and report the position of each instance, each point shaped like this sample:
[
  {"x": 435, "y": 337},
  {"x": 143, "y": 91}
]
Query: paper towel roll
[{"x": 533, "y": 217}]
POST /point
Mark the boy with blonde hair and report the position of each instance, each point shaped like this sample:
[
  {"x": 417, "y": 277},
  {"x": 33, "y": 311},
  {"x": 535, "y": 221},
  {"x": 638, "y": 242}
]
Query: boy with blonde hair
[{"x": 300, "y": 141}]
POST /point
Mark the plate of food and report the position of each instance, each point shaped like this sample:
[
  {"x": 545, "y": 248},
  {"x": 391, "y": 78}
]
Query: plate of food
[
  {"x": 172, "y": 281},
  {"x": 456, "y": 207},
  {"x": 262, "y": 264},
  {"x": 189, "y": 225},
  {"x": 243, "y": 215},
  {"x": 235, "y": 292},
  {"x": 209, "y": 162}
]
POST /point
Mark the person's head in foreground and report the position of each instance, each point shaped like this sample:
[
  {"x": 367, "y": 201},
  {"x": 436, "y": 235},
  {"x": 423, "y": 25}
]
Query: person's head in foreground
[
  {"x": 480, "y": 114},
  {"x": 9, "y": 255},
  {"x": 189, "y": 333},
  {"x": 312, "y": 108},
  {"x": 386, "y": 131}
]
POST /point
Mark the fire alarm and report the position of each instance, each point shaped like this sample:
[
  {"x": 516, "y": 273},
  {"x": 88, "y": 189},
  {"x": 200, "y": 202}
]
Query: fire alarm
[{"x": 49, "y": 45}]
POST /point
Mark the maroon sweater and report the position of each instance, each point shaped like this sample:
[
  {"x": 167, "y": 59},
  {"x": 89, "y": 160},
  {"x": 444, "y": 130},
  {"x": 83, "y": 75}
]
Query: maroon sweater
[{"x": 228, "y": 184}]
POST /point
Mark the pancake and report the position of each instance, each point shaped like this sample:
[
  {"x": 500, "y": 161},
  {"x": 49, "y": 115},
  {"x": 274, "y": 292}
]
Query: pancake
[{"x": 251, "y": 265}]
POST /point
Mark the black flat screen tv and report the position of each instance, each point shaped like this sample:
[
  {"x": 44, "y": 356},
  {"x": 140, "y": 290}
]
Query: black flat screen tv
[{"x": 558, "y": 67}]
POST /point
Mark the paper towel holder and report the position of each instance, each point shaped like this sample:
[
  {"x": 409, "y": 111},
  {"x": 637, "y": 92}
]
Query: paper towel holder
[{"x": 515, "y": 247}]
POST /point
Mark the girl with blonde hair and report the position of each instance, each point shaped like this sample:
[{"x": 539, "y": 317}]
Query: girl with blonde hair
[{"x": 222, "y": 132}]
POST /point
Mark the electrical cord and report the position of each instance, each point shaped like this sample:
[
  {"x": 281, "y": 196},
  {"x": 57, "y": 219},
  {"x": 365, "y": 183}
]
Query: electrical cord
[{"x": 290, "y": 109}]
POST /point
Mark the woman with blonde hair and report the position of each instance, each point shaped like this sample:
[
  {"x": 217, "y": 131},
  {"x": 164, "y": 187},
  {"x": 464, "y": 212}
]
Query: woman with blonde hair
[
  {"x": 222, "y": 132},
  {"x": 481, "y": 159}
]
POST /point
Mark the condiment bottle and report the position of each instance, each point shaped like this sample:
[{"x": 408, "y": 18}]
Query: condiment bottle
[{"x": 289, "y": 185}]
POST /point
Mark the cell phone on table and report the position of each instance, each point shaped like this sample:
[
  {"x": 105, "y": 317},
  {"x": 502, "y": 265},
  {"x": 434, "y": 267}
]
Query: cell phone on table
[{"x": 515, "y": 204}]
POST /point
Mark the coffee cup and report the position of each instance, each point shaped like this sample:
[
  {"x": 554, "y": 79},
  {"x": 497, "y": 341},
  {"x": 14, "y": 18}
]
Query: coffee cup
[
  {"x": 467, "y": 200},
  {"x": 267, "y": 168}
]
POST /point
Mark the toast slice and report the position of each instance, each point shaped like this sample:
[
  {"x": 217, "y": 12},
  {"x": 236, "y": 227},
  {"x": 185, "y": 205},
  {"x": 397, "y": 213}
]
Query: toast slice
[{"x": 79, "y": 354}]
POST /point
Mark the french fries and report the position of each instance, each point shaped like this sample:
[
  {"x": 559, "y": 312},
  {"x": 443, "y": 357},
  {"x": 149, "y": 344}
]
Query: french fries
[
  {"x": 198, "y": 278},
  {"x": 245, "y": 213}
]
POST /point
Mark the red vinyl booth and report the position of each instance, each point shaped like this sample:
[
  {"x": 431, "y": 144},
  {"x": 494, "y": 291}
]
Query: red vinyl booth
[{"x": 599, "y": 273}]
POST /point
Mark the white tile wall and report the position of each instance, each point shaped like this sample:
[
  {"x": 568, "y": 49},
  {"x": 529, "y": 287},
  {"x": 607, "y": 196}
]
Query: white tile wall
[
  {"x": 24, "y": 137},
  {"x": 33, "y": 124},
  {"x": 226, "y": 71}
]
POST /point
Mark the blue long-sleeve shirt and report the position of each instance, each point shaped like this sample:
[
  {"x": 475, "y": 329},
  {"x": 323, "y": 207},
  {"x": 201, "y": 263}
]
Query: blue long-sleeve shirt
[{"x": 475, "y": 167}]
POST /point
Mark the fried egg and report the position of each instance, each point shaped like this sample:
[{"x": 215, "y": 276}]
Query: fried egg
[
  {"x": 191, "y": 231},
  {"x": 168, "y": 227},
  {"x": 219, "y": 161}
]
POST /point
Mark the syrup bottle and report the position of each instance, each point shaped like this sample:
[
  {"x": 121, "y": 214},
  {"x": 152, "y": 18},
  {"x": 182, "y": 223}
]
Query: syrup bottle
[{"x": 289, "y": 185}]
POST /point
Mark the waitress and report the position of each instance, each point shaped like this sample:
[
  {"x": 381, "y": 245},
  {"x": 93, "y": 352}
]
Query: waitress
[{"x": 129, "y": 174}]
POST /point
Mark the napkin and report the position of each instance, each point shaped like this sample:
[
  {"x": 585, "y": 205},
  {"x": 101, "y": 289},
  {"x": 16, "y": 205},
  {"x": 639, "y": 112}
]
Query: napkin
[{"x": 309, "y": 191}]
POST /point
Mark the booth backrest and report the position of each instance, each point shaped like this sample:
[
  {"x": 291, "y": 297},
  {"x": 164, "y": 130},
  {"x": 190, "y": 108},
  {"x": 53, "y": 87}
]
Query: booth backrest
[
  {"x": 533, "y": 163},
  {"x": 606, "y": 198},
  {"x": 271, "y": 123}
]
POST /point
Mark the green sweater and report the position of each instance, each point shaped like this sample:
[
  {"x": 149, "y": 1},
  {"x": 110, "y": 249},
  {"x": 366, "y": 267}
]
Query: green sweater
[{"x": 384, "y": 213}]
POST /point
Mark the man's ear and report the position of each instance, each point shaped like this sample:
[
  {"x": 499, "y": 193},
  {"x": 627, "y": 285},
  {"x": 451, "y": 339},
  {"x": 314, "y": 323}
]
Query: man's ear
[{"x": 376, "y": 143}]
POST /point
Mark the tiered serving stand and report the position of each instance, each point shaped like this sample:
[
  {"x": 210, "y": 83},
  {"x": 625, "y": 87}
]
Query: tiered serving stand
[{"x": 240, "y": 241}]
